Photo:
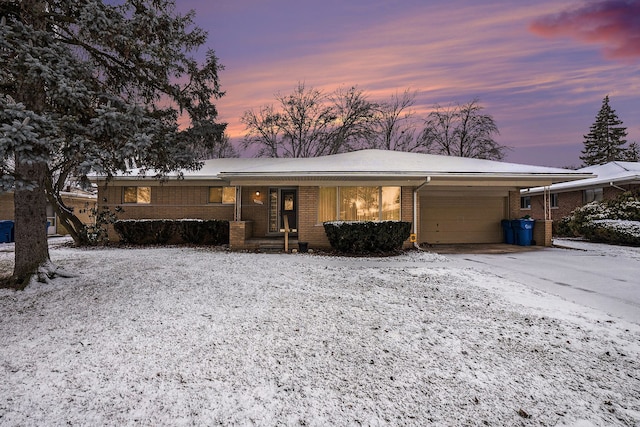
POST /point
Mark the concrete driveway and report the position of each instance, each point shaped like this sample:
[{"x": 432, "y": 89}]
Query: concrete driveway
[{"x": 599, "y": 276}]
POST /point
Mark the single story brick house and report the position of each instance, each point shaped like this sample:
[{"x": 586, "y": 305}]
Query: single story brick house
[
  {"x": 447, "y": 199},
  {"x": 79, "y": 201},
  {"x": 608, "y": 182}
]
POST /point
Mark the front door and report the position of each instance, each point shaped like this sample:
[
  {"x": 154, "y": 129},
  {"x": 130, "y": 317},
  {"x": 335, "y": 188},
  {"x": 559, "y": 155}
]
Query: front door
[
  {"x": 288, "y": 207},
  {"x": 282, "y": 201}
]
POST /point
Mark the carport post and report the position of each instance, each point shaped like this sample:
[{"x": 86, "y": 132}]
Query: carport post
[
  {"x": 238, "y": 211},
  {"x": 415, "y": 208}
]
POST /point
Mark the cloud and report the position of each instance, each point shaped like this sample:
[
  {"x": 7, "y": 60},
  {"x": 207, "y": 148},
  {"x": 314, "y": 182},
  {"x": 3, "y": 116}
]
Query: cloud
[{"x": 612, "y": 23}]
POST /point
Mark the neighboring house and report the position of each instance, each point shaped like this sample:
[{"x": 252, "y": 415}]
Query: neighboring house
[
  {"x": 81, "y": 202},
  {"x": 447, "y": 199},
  {"x": 610, "y": 181}
]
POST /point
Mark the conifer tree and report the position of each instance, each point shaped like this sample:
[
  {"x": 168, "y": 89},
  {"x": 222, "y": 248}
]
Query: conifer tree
[
  {"x": 605, "y": 141},
  {"x": 93, "y": 86}
]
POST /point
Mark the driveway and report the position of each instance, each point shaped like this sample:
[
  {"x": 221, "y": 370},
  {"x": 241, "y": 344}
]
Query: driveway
[{"x": 599, "y": 276}]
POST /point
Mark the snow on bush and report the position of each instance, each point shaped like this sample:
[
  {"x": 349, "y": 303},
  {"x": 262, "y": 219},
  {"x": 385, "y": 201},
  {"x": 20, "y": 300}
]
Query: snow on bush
[
  {"x": 612, "y": 221},
  {"x": 615, "y": 231}
]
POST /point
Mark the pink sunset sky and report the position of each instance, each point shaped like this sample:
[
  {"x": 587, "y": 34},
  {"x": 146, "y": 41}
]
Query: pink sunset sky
[{"x": 541, "y": 69}]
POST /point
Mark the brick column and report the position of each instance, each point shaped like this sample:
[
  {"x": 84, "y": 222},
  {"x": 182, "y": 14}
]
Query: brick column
[
  {"x": 543, "y": 232},
  {"x": 514, "y": 205},
  {"x": 239, "y": 232}
]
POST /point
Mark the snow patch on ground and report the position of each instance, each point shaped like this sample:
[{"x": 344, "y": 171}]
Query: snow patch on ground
[
  {"x": 631, "y": 252},
  {"x": 178, "y": 335}
]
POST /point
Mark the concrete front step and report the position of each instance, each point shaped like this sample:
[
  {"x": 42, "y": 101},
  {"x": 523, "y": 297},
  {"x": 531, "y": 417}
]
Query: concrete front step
[{"x": 273, "y": 245}]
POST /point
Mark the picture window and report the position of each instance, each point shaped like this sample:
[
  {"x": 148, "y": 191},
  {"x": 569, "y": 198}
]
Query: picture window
[
  {"x": 224, "y": 195},
  {"x": 139, "y": 195}
]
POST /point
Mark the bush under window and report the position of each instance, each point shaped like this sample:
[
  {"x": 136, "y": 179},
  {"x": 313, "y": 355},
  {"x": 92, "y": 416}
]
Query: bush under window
[
  {"x": 367, "y": 237},
  {"x": 167, "y": 231}
]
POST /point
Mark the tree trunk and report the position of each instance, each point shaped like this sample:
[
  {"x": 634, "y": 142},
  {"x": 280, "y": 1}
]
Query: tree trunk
[
  {"x": 32, "y": 251},
  {"x": 30, "y": 201}
]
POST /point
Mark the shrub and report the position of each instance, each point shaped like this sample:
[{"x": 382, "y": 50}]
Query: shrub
[
  {"x": 163, "y": 231},
  {"x": 613, "y": 231},
  {"x": 610, "y": 221},
  {"x": 367, "y": 237},
  {"x": 562, "y": 228}
]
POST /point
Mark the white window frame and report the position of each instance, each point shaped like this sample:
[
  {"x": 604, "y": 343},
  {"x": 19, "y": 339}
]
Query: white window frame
[{"x": 592, "y": 195}]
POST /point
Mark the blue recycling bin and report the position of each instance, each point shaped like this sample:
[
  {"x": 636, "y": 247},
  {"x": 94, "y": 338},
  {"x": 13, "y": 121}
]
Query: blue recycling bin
[
  {"x": 522, "y": 231},
  {"x": 6, "y": 231},
  {"x": 507, "y": 230}
]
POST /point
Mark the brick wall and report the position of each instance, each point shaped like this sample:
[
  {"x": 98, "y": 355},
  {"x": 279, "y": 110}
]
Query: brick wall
[
  {"x": 6, "y": 206},
  {"x": 309, "y": 229},
  {"x": 514, "y": 205},
  {"x": 167, "y": 202},
  {"x": 406, "y": 210},
  {"x": 256, "y": 209},
  {"x": 568, "y": 201},
  {"x": 543, "y": 232},
  {"x": 239, "y": 232}
]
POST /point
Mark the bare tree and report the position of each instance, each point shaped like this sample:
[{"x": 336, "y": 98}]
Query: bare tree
[
  {"x": 309, "y": 123},
  {"x": 305, "y": 122},
  {"x": 263, "y": 130},
  {"x": 462, "y": 130},
  {"x": 396, "y": 124},
  {"x": 356, "y": 118}
]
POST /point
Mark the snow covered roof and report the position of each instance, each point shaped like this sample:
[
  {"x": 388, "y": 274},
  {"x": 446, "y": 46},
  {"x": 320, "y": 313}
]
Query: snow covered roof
[
  {"x": 374, "y": 164},
  {"x": 613, "y": 172}
]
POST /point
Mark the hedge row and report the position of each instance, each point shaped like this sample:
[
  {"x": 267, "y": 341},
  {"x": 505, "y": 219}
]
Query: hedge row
[
  {"x": 166, "y": 231},
  {"x": 367, "y": 237},
  {"x": 622, "y": 232}
]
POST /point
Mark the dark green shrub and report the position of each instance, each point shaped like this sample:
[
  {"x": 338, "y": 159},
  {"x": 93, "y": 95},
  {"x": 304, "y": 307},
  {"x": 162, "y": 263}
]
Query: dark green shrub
[
  {"x": 562, "y": 228},
  {"x": 367, "y": 237},
  {"x": 163, "y": 231}
]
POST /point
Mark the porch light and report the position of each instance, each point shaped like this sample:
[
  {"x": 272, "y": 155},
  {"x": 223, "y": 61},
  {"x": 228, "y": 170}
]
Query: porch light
[{"x": 258, "y": 193}]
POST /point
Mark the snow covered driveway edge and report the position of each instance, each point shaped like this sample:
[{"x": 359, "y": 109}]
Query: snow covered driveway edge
[{"x": 191, "y": 336}]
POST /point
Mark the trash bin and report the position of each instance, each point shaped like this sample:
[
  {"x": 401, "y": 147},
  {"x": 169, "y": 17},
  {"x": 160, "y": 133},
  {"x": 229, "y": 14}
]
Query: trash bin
[
  {"x": 303, "y": 247},
  {"x": 6, "y": 231},
  {"x": 523, "y": 231},
  {"x": 507, "y": 230}
]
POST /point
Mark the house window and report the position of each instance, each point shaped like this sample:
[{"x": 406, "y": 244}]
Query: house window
[
  {"x": 525, "y": 202},
  {"x": 140, "y": 195},
  {"x": 359, "y": 203},
  {"x": 554, "y": 200},
  {"x": 224, "y": 195},
  {"x": 592, "y": 195}
]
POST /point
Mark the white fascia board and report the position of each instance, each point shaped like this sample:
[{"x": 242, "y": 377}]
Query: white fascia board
[{"x": 585, "y": 184}]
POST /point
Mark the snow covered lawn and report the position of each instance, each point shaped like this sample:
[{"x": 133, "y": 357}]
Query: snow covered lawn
[{"x": 177, "y": 336}]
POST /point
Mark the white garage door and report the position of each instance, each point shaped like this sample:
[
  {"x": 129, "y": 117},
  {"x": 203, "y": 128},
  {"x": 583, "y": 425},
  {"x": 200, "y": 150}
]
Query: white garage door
[{"x": 461, "y": 219}]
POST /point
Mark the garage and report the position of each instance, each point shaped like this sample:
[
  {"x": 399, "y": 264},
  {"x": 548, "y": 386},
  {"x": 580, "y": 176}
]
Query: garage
[{"x": 462, "y": 216}]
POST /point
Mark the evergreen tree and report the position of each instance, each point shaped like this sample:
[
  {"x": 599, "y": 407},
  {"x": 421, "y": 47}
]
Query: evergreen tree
[
  {"x": 92, "y": 86},
  {"x": 633, "y": 153},
  {"x": 605, "y": 141}
]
